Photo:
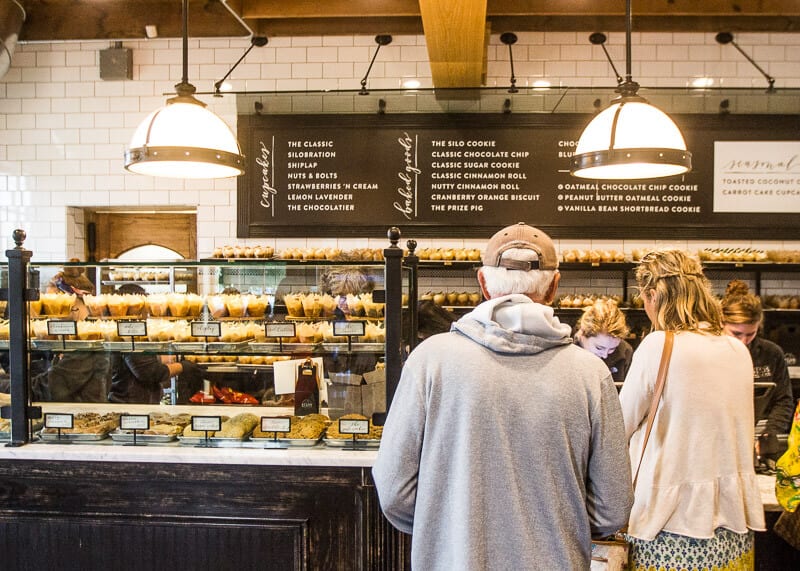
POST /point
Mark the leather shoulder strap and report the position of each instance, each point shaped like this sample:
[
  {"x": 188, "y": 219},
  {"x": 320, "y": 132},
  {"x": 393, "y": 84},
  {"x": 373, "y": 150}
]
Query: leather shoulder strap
[{"x": 663, "y": 367}]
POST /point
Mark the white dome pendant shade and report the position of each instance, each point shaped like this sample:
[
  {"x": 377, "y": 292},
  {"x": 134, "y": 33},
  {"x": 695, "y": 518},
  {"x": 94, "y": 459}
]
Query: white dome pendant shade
[
  {"x": 630, "y": 139},
  {"x": 184, "y": 139}
]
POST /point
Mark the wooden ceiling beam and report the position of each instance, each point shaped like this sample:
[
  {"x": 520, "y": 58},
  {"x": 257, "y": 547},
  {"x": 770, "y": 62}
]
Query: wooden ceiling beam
[
  {"x": 281, "y": 9},
  {"x": 61, "y": 20},
  {"x": 455, "y": 33}
]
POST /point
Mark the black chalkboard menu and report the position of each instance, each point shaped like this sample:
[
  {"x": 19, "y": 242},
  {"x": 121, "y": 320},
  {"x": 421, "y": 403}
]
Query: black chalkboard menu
[{"x": 466, "y": 175}]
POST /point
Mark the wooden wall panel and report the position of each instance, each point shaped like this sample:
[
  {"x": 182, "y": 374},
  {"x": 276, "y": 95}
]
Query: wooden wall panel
[{"x": 119, "y": 232}]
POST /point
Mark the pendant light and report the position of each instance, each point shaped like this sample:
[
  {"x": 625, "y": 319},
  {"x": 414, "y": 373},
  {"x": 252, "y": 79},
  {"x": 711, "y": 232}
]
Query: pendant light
[
  {"x": 184, "y": 139},
  {"x": 630, "y": 139}
]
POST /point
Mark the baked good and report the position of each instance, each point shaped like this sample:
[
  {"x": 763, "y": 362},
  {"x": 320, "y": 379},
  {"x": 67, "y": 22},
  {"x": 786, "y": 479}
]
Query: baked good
[
  {"x": 89, "y": 423},
  {"x": 309, "y": 427},
  {"x": 238, "y": 426},
  {"x": 375, "y": 432}
]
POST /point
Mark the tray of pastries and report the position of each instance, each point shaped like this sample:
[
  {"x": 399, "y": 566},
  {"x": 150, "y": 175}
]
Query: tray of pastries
[
  {"x": 87, "y": 426},
  {"x": 5, "y": 426},
  {"x": 233, "y": 430},
  {"x": 305, "y": 431},
  {"x": 371, "y": 440},
  {"x": 164, "y": 427}
]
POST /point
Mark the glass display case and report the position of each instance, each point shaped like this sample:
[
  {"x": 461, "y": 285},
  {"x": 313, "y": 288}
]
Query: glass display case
[{"x": 238, "y": 329}]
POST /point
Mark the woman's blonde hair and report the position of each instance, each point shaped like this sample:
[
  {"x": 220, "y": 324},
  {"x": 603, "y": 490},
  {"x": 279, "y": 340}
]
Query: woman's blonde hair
[
  {"x": 604, "y": 316},
  {"x": 740, "y": 306},
  {"x": 681, "y": 292}
]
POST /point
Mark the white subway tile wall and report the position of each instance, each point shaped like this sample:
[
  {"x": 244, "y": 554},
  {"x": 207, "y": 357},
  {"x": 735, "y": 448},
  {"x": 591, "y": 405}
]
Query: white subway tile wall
[{"x": 63, "y": 130}]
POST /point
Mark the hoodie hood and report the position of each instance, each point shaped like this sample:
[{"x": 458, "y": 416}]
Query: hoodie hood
[{"x": 514, "y": 324}]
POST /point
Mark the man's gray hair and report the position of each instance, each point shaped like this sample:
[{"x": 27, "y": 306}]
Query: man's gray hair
[{"x": 502, "y": 281}]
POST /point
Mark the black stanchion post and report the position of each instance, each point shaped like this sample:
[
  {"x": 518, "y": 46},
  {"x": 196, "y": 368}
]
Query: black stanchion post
[
  {"x": 18, "y": 294},
  {"x": 411, "y": 263},
  {"x": 393, "y": 280}
]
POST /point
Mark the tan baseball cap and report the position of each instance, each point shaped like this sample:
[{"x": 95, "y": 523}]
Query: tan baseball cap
[{"x": 524, "y": 237}]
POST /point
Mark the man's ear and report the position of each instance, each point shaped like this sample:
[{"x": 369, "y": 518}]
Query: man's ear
[
  {"x": 551, "y": 291},
  {"x": 482, "y": 283}
]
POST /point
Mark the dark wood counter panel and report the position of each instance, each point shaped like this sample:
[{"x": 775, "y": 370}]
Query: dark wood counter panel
[{"x": 120, "y": 515}]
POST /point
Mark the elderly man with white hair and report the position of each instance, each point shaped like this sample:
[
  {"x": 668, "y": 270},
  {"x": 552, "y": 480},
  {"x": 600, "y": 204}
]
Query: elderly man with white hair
[{"x": 505, "y": 447}]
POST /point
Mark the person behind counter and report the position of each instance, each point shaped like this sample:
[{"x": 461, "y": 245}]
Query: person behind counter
[
  {"x": 142, "y": 377},
  {"x": 72, "y": 279},
  {"x": 601, "y": 329},
  {"x": 742, "y": 316},
  {"x": 72, "y": 376},
  {"x": 342, "y": 281},
  {"x": 697, "y": 496},
  {"x": 504, "y": 446}
]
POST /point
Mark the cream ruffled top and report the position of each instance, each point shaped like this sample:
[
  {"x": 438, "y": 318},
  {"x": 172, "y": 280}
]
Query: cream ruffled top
[{"x": 697, "y": 473}]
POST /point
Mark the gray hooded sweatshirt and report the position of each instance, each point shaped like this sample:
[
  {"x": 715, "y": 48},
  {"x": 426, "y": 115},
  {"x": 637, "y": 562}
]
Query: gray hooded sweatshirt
[{"x": 504, "y": 447}]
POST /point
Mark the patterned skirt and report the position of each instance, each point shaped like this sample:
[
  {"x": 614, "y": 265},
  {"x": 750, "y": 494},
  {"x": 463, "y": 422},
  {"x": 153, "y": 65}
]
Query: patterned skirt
[{"x": 726, "y": 551}]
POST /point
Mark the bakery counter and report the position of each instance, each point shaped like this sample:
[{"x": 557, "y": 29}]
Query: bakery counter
[
  {"x": 248, "y": 454},
  {"x": 173, "y": 506}
]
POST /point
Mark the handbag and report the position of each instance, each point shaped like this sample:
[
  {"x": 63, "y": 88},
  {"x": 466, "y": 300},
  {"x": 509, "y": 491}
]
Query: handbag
[
  {"x": 613, "y": 554},
  {"x": 787, "y": 468}
]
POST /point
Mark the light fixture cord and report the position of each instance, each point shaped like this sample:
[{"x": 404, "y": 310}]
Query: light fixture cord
[
  {"x": 366, "y": 75},
  {"x": 184, "y": 87},
  {"x": 218, "y": 84},
  {"x": 513, "y": 88},
  {"x": 628, "y": 87},
  {"x": 768, "y": 77}
]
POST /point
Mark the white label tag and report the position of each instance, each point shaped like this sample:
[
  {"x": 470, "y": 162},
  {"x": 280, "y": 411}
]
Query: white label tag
[
  {"x": 206, "y": 329},
  {"x": 354, "y": 328},
  {"x": 134, "y": 421},
  {"x": 54, "y": 420},
  {"x": 206, "y": 423},
  {"x": 131, "y": 328},
  {"x": 353, "y": 426},
  {"x": 279, "y": 329},
  {"x": 61, "y": 327},
  {"x": 273, "y": 424}
]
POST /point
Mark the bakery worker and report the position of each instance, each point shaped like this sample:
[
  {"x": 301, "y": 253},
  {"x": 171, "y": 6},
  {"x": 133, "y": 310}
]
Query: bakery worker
[
  {"x": 504, "y": 446},
  {"x": 73, "y": 376},
  {"x": 142, "y": 377},
  {"x": 742, "y": 316},
  {"x": 601, "y": 329}
]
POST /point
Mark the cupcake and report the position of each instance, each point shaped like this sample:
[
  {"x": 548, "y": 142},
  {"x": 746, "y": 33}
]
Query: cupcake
[
  {"x": 294, "y": 305},
  {"x": 178, "y": 305},
  {"x": 256, "y": 305},
  {"x": 135, "y": 304},
  {"x": 236, "y": 305},
  {"x": 157, "y": 305}
]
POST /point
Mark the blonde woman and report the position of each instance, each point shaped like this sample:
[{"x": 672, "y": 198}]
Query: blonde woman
[
  {"x": 697, "y": 500},
  {"x": 601, "y": 330}
]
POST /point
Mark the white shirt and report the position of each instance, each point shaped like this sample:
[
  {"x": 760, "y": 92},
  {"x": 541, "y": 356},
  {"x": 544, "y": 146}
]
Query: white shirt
[{"x": 697, "y": 473}]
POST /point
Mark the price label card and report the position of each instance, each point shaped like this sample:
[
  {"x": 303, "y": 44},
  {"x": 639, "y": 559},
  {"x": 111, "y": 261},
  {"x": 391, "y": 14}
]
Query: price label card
[
  {"x": 134, "y": 421},
  {"x": 206, "y": 329},
  {"x": 58, "y": 420},
  {"x": 61, "y": 327},
  {"x": 206, "y": 423},
  {"x": 354, "y": 328},
  {"x": 279, "y": 329},
  {"x": 274, "y": 424},
  {"x": 353, "y": 426},
  {"x": 131, "y": 328}
]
